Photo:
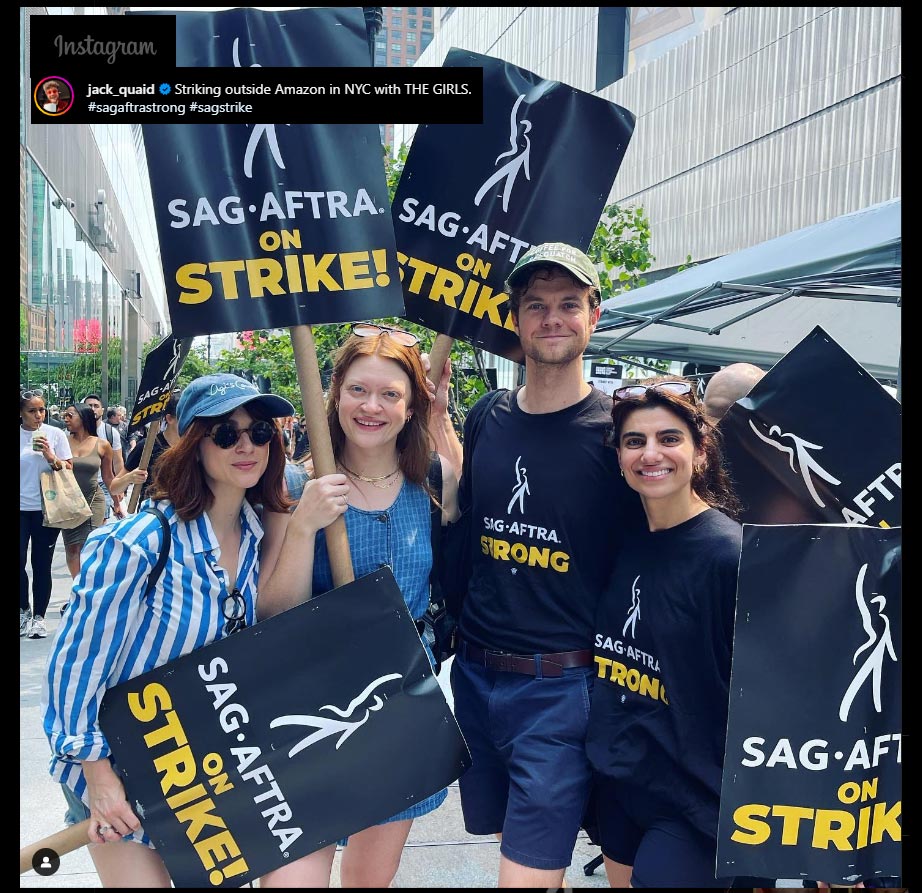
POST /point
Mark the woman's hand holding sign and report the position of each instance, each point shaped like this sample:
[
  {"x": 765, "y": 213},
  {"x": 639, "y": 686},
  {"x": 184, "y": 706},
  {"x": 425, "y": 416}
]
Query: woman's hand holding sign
[
  {"x": 323, "y": 501},
  {"x": 111, "y": 816}
]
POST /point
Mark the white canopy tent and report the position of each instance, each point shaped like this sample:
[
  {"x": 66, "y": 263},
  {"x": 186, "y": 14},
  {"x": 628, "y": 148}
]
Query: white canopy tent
[{"x": 757, "y": 304}]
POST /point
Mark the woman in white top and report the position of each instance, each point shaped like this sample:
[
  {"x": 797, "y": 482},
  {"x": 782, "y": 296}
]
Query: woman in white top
[{"x": 41, "y": 447}]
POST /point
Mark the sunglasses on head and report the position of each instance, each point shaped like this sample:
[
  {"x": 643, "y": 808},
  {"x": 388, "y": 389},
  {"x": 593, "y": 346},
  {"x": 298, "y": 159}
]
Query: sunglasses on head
[
  {"x": 227, "y": 434},
  {"x": 370, "y": 330},
  {"x": 28, "y": 395},
  {"x": 668, "y": 387}
]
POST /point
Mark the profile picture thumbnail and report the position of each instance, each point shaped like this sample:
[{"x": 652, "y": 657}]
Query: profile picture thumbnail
[{"x": 54, "y": 95}]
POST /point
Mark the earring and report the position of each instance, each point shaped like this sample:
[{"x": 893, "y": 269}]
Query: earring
[
  {"x": 622, "y": 471},
  {"x": 409, "y": 417}
]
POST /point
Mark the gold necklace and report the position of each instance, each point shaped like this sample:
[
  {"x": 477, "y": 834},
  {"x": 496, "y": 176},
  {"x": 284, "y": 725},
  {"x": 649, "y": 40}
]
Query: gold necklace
[{"x": 374, "y": 481}]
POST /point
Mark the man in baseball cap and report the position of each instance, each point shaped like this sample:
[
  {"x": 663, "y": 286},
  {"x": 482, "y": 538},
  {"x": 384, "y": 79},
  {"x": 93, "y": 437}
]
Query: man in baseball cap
[
  {"x": 540, "y": 458},
  {"x": 559, "y": 253},
  {"x": 212, "y": 396}
]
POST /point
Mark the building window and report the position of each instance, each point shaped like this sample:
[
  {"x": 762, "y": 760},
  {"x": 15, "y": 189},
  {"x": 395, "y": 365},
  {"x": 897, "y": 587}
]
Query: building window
[
  {"x": 427, "y": 26},
  {"x": 411, "y": 37},
  {"x": 411, "y": 10},
  {"x": 395, "y": 61},
  {"x": 426, "y": 40},
  {"x": 411, "y": 51},
  {"x": 397, "y": 20},
  {"x": 427, "y": 11},
  {"x": 412, "y": 23},
  {"x": 396, "y": 47},
  {"x": 396, "y": 35}
]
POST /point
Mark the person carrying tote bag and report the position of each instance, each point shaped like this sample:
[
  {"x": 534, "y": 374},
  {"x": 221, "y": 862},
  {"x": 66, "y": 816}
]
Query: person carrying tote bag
[{"x": 63, "y": 502}]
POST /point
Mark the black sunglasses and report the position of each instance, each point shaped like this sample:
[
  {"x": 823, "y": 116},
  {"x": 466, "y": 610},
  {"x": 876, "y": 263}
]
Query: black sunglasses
[
  {"x": 227, "y": 434},
  {"x": 370, "y": 330},
  {"x": 668, "y": 387},
  {"x": 234, "y": 609}
]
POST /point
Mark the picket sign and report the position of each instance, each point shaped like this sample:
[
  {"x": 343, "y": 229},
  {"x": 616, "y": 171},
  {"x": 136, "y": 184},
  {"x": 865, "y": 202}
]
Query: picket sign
[
  {"x": 149, "y": 438},
  {"x": 441, "y": 348},
  {"x": 318, "y": 433}
]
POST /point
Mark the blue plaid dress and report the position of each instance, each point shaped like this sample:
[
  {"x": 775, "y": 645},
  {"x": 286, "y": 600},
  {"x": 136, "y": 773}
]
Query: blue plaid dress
[{"x": 400, "y": 538}]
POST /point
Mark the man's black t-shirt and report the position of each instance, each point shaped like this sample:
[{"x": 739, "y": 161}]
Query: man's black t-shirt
[
  {"x": 549, "y": 510},
  {"x": 663, "y": 644}
]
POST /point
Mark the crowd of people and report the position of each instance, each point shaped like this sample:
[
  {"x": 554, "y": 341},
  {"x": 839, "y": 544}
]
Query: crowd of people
[{"x": 630, "y": 491}]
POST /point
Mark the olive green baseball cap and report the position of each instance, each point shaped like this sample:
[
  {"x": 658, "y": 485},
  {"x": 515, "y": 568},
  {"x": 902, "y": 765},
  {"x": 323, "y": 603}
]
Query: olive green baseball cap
[{"x": 571, "y": 259}]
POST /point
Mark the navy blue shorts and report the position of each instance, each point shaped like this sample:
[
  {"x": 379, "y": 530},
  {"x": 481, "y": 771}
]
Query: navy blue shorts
[
  {"x": 530, "y": 777},
  {"x": 665, "y": 850}
]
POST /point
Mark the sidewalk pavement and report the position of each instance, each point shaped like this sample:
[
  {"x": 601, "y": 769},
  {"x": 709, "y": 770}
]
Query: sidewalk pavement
[{"x": 439, "y": 852}]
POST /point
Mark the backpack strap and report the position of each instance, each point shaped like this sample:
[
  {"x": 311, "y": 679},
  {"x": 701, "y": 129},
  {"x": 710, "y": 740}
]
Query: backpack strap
[
  {"x": 164, "y": 549},
  {"x": 476, "y": 417},
  {"x": 107, "y": 429}
]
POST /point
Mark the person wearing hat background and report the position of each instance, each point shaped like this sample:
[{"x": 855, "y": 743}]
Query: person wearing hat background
[
  {"x": 548, "y": 513},
  {"x": 229, "y": 458}
]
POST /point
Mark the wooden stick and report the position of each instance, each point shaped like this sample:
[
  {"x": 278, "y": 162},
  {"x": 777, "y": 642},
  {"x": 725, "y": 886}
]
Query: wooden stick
[
  {"x": 71, "y": 838},
  {"x": 149, "y": 439},
  {"x": 441, "y": 348},
  {"x": 318, "y": 432}
]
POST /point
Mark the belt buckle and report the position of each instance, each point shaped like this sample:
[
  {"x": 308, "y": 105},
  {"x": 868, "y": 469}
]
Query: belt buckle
[{"x": 502, "y": 661}]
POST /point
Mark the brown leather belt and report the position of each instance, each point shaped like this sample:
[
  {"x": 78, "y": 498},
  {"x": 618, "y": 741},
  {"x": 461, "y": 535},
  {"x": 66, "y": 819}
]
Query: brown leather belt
[{"x": 529, "y": 664}]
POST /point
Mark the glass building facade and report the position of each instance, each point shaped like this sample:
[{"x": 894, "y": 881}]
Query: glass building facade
[{"x": 90, "y": 273}]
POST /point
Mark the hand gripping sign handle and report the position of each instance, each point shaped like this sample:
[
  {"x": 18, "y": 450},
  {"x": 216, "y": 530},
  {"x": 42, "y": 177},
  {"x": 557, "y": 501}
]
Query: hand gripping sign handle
[
  {"x": 71, "y": 838},
  {"x": 441, "y": 348},
  {"x": 149, "y": 440},
  {"x": 318, "y": 433}
]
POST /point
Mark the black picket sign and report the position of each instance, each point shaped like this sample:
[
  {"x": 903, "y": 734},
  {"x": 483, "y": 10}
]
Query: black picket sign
[
  {"x": 285, "y": 737},
  {"x": 472, "y": 198}
]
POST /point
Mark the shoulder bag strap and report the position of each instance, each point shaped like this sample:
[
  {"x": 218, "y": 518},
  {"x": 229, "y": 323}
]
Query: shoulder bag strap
[
  {"x": 435, "y": 515},
  {"x": 164, "y": 549}
]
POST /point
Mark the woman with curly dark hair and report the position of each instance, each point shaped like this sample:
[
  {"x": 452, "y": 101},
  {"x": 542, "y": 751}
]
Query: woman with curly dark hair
[{"x": 664, "y": 638}]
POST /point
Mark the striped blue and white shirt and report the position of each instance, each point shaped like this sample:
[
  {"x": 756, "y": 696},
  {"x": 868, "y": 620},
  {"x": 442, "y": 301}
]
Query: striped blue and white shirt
[{"x": 110, "y": 633}]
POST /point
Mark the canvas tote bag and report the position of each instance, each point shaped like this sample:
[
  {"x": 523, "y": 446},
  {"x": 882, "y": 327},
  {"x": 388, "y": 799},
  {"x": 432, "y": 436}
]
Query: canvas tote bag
[{"x": 62, "y": 499}]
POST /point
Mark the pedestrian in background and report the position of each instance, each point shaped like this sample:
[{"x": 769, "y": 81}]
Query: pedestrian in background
[
  {"x": 167, "y": 436},
  {"x": 53, "y": 417},
  {"x": 111, "y": 435},
  {"x": 41, "y": 446},
  {"x": 727, "y": 386},
  {"x": 230, "y": 454},
  {"x": 91, "y": 459}
]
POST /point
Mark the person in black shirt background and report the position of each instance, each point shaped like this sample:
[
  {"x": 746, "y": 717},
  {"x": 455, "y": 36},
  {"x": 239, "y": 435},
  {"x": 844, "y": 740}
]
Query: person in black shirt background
[{"x": 165, "y": 438}]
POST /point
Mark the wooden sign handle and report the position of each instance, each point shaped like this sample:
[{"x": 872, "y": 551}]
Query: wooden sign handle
[
  {"x": 318, "y": 433},
  {"x": 441, "y": 348},
  {"x": 66, "y": 841},
  {"x": 149, "y": 439}
]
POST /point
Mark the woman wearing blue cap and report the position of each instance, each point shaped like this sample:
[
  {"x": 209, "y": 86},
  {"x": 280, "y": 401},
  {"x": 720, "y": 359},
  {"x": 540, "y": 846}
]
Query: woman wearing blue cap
[{"x": 229, "y": 457}]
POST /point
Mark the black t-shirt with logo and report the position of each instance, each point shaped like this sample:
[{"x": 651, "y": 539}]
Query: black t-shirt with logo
[
  {"x": 549, "y": 510},
  {"x": 663, "y": 643}
]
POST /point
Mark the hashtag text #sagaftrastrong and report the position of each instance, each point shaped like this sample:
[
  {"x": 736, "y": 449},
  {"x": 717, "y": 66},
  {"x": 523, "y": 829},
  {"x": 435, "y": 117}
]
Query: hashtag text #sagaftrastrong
[{"x": 110, "y": 49}]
